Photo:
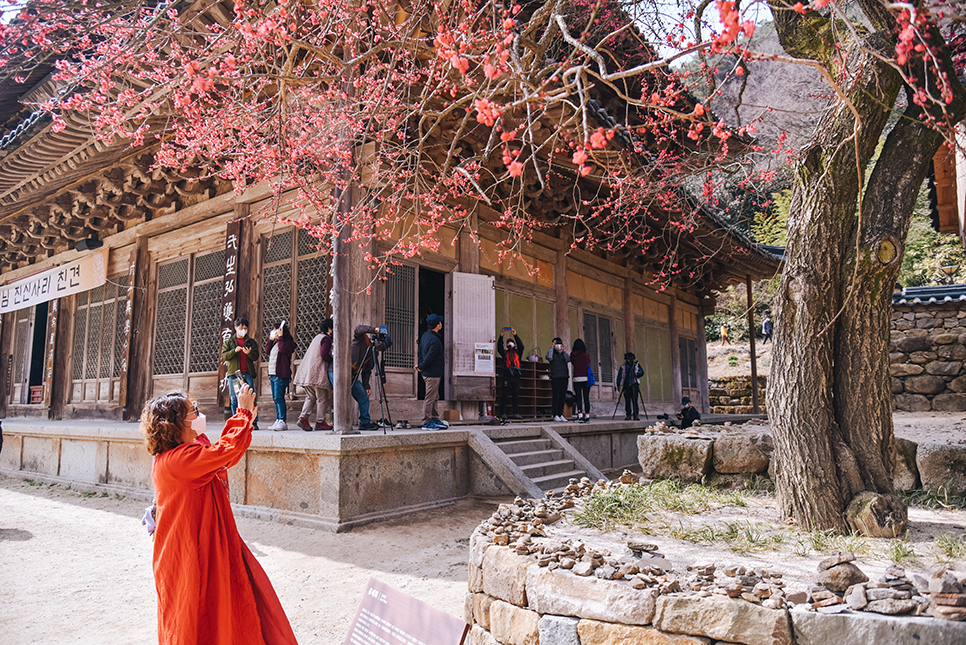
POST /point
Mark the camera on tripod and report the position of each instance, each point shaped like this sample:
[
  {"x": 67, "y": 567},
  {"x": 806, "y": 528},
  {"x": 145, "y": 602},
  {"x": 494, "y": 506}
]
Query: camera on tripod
[{"x": 382, "y": 336}]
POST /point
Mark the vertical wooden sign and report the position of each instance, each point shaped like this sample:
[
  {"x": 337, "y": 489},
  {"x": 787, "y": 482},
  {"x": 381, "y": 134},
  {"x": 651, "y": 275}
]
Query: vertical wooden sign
[
  {"x": 229, "y": 301},
  {"x": 52, "y": 323}
]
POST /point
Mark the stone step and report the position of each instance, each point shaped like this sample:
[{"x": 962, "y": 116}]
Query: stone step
[
  {"x": 535, "y": 471},
  {"x": 523, "y": 445},
  {"x": 557, "y": 480},
  {"x": 535, "y": 457}
]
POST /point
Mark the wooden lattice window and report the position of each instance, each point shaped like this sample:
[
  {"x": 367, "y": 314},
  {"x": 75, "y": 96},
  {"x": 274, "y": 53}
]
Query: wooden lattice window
[
  {"x": 401, "y": 316},
  {"x": 97, "y": 340},
  {"x": 597, "y": 337}
]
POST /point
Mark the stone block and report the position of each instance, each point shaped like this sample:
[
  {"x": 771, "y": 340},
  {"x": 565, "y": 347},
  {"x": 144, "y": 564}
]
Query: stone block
[
  {"x": 898, "y": 357},
  {"x": 906, "y": 476},
  {"x": 558, "y": 630},
  {"x": 479, "y": 543},
  {"x": 955, "y": 352},
  {"x": 740, "y": 453},
  {"x": 41, "y": 455},
  {"x": 949, "y": 403},
  {"x": 479, "y": 636},
  {"x": 921, "y": 358},
  {"x": 897, "y": 387},
  {"x": 129, "y": 464},
  {"x": 83, "y": 461},
  {"x": 944, "y": 368},
  {"x": 513, "y": 625},
  {"x": 561, "y": 592},
  {"x": 481, "y": 609},
  {"x": 903, "y": 325},
  {"x": 909, "y": 344},
  {"x": 671, "y": 456},
  {"x": 908, "y": 315},
  {"x": 10, "y": 454},
  {"x": 925, "y": 384},
  {"x": 468, "y": 608},
  {"x": 928, "y": 323},
  {"x": 593, "y": 632},
  {"x": 863, "y": 628},
  {"x": 723, "y": 618},
  {"x": 474, "y": 577},
  {"x": 505, "y": 575},
  {"x": 905, "y": 369},
  {"x": 942, "y": 464},
  {"x": 284, "y": 480},
  {"x": 958, "y": 384},
  {"x": 912, "y": 403}
]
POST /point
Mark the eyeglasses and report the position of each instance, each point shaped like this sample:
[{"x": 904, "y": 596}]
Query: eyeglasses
[{"x": 194, "y": 407}]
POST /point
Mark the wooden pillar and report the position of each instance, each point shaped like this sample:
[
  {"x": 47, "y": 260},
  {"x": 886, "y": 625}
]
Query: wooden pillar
[
  {"x": 676, "y": 390},
  {"x": 136, "y": 366},
  {"x": 751, "y": 339},
  {"x": 469, "y": 248},
  {"x": 57, "y": 374},
  {"x": 702, "y": 366},
  {"x": 6, "y": 359},
  {"x": 561, "y": 312},
  {"x": 343, "y": 406},
  {"x": 630, "y": 320}
]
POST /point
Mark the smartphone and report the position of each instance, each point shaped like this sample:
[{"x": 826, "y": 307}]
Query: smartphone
[
  {"x": 508, "y": 329},
  {"x": 237, "y": 383}
]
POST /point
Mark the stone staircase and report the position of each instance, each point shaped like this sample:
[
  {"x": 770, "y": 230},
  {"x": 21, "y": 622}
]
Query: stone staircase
[{"x": 532, "y": 460}]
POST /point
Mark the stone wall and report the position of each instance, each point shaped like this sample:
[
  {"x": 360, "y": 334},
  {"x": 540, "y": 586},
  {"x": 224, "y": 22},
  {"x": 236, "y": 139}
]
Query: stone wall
[
  {"x": 927, "y": 348},
  {"x": 732, "y": 395}
]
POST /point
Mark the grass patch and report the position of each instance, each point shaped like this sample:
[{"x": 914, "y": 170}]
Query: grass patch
[
  {"x": 948, "y": 548},
  {"x": 900, "y": 551},
  {"x": 934, "y": 498},
  {"x": 825, "y": 541},
  {"x": 632, "y": 505},
  {"x": 87, "y": 494}
]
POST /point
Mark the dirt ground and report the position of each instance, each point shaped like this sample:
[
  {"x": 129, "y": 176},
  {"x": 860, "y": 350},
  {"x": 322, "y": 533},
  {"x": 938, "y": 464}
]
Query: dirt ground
[
  {"x": 718, "y": 355},
  {"x": 76, "y": 568}
]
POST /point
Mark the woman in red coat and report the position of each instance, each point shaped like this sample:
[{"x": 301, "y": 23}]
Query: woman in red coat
[{"x": 211, "y": 589}]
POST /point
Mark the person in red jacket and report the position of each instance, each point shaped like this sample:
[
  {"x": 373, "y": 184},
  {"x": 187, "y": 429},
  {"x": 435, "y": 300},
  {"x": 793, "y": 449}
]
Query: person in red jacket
[{"x": 211, "y": 589}]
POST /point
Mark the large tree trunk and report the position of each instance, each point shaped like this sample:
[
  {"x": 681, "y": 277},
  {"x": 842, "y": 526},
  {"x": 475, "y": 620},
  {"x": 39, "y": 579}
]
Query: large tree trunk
[{"x": 829, "y": 396}]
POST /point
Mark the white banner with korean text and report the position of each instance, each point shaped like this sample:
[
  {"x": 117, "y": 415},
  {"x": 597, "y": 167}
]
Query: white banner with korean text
[{"x": 80, "y": 275}]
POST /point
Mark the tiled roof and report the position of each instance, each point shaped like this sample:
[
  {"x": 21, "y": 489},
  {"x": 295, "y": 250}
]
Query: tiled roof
[{"x": 934, "y": 295}]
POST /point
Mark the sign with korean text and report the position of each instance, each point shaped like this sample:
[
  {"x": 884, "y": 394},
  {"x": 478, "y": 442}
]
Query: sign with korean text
[
  {"x": 389, "y": 617},
  {"x": 75, "y": 277},
  {"x": 229, "y": 295}
]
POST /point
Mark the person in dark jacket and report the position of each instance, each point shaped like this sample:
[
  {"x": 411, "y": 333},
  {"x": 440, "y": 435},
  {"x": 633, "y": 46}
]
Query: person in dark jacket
[
  {"x": 580, "y": 359},
  {"x": 559, "y": 359},
  {"x": 240, "y": 354},
  {"x": 628, "y": 382},
  {"x": 279, "y": 348},
  {"x": 512, "y": 373},
  {"x": 362, "y": 361},
  {"x": 688, "y": 414},
  {"x": 432, "y": 366},
  {"x": 767, "y": 328}
]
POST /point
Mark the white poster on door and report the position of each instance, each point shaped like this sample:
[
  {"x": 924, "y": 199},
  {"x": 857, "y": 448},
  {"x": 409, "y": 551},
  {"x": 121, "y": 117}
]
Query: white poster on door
[{"x": 485, "y": 360}]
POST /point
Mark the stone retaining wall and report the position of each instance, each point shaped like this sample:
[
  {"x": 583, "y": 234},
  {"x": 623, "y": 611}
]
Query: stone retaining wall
[
  {"x": 514, "y": 601},
  {"x": 732, "y": 395},
  {"x": 927, "y": 347}
]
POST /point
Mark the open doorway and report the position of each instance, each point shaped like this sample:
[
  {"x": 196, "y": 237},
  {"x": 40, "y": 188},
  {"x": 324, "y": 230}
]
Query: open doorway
[{"x": 432, "y": 300}]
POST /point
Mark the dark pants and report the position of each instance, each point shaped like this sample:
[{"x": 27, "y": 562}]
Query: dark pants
[
  {"x": 582, "y": 396},
  {"x": 559, "y": 386},
  {"x": 767, "y": 338},
  {"x": 279, "y": 385},
  {"x": 511, "y": 388},
  {"x": 631, "y": 394}
]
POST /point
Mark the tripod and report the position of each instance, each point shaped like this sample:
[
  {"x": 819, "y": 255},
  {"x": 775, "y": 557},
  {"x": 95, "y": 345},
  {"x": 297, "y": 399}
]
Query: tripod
[
  {"x": 640, "y": 398},
  {"x": 380, "y": 372}
]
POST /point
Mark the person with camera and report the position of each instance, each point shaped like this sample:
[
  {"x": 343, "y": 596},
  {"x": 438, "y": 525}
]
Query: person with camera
[
  {"x": 315, "y": 376},
  {"x": 688, "y": 413},
  {"x": 559, "y": 359},
  {"x": 512, "y": 372},
  {"x": 366, "y": 341},
  {"x": 240, "y": 354},
  {"x": 279, "y": 348},
  {"x": 628, "y": 382},
  {"x": 431, "y": 365},
  {"x": 210, "y": 587}
]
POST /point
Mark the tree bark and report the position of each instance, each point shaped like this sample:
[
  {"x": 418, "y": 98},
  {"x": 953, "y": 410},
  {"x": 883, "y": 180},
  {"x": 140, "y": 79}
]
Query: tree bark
[{"x": 829, "y": 398}]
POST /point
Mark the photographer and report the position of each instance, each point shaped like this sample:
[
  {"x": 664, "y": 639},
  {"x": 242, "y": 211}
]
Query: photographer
[
  {"x": 432, "y": 366},
  {"x": 366, "y": 341},
  {"x": 559, "y": 359},
  {"x": 512, "y": 372},
  {"x": 240, "y": 354},
  {"x": 628, "y": 382}
]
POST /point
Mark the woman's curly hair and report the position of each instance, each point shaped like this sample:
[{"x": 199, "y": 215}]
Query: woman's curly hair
[{"x": 163, "y": 420}]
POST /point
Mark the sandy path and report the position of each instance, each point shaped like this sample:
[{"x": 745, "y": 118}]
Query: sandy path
[{"x": 77, "y": 569}]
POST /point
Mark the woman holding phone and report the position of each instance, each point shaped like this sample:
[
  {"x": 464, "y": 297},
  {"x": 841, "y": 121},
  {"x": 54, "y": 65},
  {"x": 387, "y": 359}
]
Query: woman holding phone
[{"x": 211, "y": 589}]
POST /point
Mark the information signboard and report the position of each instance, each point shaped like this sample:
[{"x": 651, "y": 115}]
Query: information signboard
[{"x": 389, "y": 617}]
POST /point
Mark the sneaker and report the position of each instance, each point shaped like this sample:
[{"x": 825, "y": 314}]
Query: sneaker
[
  {"x": 442, "y": 425},
  {"x": 517, "y": 416},
  {"x": 430, "y": 425},
  {"x": 322, "y": 426},
  {"x": 368, "y": 427},
  {"x": 279, "y": 426},
  {"x": 303, "y": 423}
]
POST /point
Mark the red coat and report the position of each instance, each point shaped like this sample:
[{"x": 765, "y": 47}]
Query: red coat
[{"x": 211, "y": 589}]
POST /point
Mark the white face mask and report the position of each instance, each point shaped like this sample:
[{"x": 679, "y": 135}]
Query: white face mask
[
  {"x": 198, "y": 424},
  {"x": 241, "y": 332},
  {"x": 511, "y": 345}
]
